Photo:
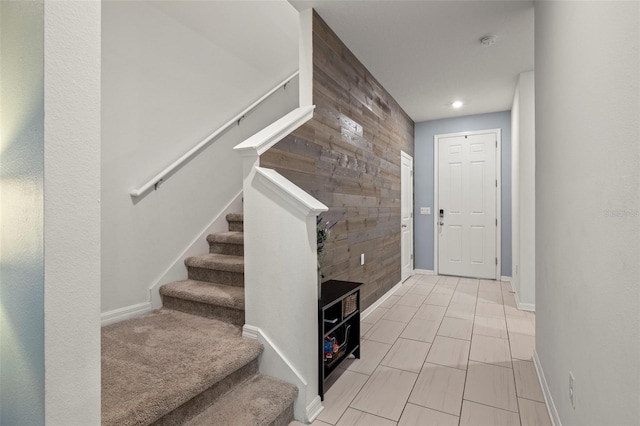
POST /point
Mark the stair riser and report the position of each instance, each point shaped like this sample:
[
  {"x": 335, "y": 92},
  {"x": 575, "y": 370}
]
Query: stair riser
[
  {"x": 285, "y": 418},
  {"x": 225, "y": 248},
  {"x": 215, "y": 276},
  {"x": 202, "y": 401},
  {"x": 221, "y": 313},
  {"x": 236, "y": 226}
]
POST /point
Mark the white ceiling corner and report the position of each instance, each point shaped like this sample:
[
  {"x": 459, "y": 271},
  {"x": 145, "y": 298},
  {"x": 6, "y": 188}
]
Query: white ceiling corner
[{"x": 428, "y": 53}]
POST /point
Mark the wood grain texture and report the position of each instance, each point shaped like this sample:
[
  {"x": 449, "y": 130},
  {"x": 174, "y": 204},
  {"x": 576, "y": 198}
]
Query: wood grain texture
[{"x": 348, "y": 157}]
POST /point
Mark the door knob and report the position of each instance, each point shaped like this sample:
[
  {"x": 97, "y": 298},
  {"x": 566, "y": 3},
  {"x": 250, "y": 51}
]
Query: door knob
[
  {"x": 441, "y": 223},
  {"x": 404, "y": 226}
]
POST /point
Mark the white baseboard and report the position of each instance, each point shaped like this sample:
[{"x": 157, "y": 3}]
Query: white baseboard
[
  {"x": 274, "y": 363},
  {"x": 121, "y": 314},
  {"x": 551, "y": 406},
  {"x": 314, "y": 409},
  {"x": 379, "y": 302},
  {"x": 505, "y": 279},
  {"x": 424, "y": 271},
  {"x": 521, "y": 306},
  {"x": 524, "y": 306},
  {"x": 177, "y": 271},
  {"x": 250, "y": 332}
]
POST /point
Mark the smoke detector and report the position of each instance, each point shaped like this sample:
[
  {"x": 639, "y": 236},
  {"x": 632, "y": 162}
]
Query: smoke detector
[{"x": 488, "y": 40}]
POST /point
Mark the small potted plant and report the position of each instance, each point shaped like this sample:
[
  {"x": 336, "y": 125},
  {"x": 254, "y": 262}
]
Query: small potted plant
[{"x": 323, "y": 232}]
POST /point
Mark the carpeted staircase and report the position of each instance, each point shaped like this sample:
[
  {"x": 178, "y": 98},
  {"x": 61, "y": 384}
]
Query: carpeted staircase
[{"x": 187, "y": 364}]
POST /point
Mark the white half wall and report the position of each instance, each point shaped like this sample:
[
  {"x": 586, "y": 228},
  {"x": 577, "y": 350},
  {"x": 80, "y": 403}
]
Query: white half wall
[
  {"x": 523, "y": 197},
  {"x": 72, "y": 212},
  {"x": 588, "y": 208},
  {"x": 281, "y": 279},
  {"x": 174, "y": 72}
]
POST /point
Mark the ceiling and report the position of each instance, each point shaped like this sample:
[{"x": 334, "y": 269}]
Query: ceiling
[{"x": 428, "y": 53}]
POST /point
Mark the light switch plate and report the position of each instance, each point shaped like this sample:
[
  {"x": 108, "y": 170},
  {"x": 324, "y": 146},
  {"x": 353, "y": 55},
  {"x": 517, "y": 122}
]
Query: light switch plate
[{"x": 425, "y": 210}]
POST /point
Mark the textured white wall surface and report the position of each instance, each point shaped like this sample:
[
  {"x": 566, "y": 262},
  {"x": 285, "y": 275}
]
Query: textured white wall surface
[
  {"x": 523, "y": 185},
  {"x": 72, "y": 212},
  {"x": 21, "y": 213},
  {"x": 588, "y": 208},
  {"x": 173, "y": 73}
]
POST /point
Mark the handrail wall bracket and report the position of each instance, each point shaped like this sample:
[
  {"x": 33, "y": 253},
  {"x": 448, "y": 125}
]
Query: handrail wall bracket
[{"x": 155, "y": 182}]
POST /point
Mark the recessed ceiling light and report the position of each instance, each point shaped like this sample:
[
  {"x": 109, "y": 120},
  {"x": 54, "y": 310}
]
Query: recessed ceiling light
[{"x": 457, "y": 104}]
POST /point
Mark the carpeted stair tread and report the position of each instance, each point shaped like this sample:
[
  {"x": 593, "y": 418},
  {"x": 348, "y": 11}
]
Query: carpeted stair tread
[
  {"x": 229, "y": 237},
  {"x": 259, "y": 401},
  {"x": 220, "y": 262},
  {"x": 154, "y": 364},
  {"x": 229, "y": 243},
  {"x": 205, "y": 292},
  {"x": 235, "y": 217},
  {"x": 236, "y": 221}
]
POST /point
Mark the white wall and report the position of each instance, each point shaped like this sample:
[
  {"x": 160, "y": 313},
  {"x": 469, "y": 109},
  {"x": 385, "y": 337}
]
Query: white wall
[
  {"x": 523, "y": 185},
  {"x": 174, "y": 72},
  {"x": 588, "y": 208},
  {"x": 21, "y": 213},
  {"x": 72, "y": 212}
]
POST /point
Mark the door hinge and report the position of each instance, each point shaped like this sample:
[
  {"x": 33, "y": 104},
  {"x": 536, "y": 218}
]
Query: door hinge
[
  {"x": 496, "y": 183},
  {"x": 496, "y": 222},
  {"x": 496, "y": 260},
  {"x": 411, "y": 256},
  {"x": 411, "y": 172},
  {"x": 496, "y": 143}
]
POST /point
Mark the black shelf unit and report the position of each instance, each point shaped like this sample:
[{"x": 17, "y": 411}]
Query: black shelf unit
[{"x": 333, "y": 322}]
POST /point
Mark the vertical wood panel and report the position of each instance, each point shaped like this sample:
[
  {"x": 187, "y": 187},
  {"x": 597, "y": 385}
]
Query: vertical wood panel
[{"x": 348, "y": 157}]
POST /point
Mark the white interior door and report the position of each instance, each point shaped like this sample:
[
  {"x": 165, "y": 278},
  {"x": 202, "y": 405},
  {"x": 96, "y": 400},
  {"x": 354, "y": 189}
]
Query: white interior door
[
  {"x": 406, "y": 214},
  {"x": 467, "y": 212}
]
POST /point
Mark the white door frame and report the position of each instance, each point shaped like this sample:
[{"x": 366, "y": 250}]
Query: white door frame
[
  {"x": 405, "y": 155},
  {"x": 436, "y": 181}
]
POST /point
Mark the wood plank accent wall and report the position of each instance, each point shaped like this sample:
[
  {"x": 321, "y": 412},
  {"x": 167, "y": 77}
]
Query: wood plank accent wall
[{"x": 348, "y": 157}]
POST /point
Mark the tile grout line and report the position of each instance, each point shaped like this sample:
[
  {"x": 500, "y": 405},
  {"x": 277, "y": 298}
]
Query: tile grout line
[
  {"x": 515, "y": 385},
  {"x": 466, "y": 373},
  {"x": 532, "y": 400},
  {"x": 432, "y": 409},
  {"x": 513, "y": 372},
  {"x": 371, "y": 376},
  {"x": 425, "y": 360},
  {"x": 489, "y": 363},
  {"x": 491, "y": 406},
  {"x": 366, "y": 412},
  {"x": 448, "y": 337},
  {"x": 445, "y": 314}
]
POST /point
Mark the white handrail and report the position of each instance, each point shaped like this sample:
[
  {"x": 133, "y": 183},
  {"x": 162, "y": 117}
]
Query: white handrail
[{"x": 158, "y": 179}]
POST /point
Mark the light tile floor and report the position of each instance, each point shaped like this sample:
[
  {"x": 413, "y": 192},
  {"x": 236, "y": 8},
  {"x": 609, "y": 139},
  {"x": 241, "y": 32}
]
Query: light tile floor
[{"x": 440, "y": 351}]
